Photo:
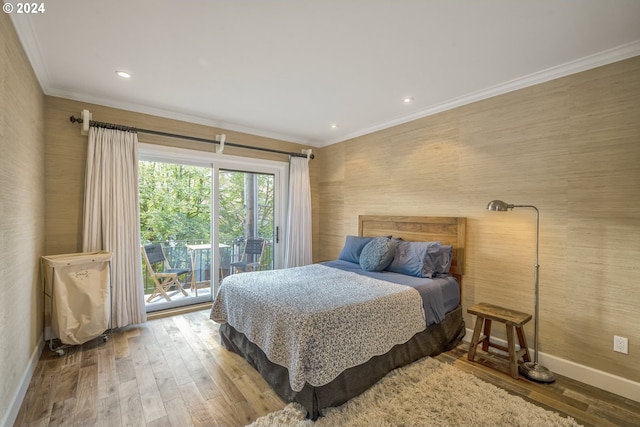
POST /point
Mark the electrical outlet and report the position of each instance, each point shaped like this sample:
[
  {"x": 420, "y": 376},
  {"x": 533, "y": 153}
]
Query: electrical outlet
[{"x": 620, "y": 344}]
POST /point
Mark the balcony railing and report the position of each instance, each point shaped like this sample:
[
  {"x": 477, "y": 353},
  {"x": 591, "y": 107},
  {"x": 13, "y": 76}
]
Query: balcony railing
[{"x": 179, "y": 256}]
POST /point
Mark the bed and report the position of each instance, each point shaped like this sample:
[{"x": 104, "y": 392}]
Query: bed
[{"x": 322, "y": 334}]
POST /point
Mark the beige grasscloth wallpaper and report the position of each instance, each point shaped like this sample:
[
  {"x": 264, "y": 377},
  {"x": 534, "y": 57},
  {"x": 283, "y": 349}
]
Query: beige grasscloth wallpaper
[
  {"x": 21, "y": 214},
  {"x": 571, "y": 147}
]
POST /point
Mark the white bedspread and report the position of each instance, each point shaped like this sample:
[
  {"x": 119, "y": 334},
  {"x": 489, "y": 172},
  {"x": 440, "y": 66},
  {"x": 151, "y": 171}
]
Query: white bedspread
[{"x": 318, "y": 321}]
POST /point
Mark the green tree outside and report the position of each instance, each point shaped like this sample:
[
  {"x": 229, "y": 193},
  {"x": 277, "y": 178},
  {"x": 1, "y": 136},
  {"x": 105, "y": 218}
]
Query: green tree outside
[{"x": 175, "y": 204}]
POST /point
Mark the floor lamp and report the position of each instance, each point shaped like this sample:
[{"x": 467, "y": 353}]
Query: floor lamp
[{"x": 532, "y": 370}]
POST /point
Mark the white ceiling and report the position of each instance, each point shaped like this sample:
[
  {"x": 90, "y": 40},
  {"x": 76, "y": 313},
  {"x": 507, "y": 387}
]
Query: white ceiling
[{"x": 290, "y": 69}]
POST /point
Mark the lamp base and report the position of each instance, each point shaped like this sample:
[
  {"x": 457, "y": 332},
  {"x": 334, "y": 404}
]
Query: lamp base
[{"x": 536, "y": 372}]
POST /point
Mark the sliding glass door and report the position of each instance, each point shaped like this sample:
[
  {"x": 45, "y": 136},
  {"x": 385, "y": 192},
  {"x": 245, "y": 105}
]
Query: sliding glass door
[
  {"x": 175, "y": 223},
  {"x": 246, "y": 221},
  {"x": 209, "y": 216}
]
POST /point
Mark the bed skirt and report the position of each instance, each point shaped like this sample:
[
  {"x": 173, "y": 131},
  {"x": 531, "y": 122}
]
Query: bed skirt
[{"x": 437, "y": 338}]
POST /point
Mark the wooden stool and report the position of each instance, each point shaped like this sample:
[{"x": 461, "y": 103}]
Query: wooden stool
[{"x": 512, "y": 320}]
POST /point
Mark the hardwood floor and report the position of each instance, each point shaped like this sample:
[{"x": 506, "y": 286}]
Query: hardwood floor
[
  {"x": 172, "y": 371},
  {"x": 588, "y": 405}
]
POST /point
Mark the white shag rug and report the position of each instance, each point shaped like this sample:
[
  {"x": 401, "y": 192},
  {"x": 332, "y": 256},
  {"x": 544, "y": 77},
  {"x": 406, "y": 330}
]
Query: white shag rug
[{"x": 425, "y": 393}]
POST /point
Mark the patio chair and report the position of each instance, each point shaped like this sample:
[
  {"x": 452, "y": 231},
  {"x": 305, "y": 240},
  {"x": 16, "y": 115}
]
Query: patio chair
[
  {"x": 251, "y": 258},
  {"x": 161, "y": 272}
]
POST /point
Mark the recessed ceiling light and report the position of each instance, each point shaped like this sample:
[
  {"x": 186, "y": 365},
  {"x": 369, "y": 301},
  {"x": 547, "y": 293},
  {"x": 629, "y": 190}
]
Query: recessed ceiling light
[
  {"x": 334, "y": 126},
  {"x": 407, "y": 99},
  {"x": 123, "y": 74}
]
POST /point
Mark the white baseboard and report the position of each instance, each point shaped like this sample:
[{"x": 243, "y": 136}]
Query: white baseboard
[
  {"x": 600, "y": 379},
  {"x": 9, "y": 418}
]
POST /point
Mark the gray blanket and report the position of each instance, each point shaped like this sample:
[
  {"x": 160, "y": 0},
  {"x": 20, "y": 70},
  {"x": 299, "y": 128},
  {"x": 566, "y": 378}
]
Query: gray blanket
[{"x": 318, "y": 321}]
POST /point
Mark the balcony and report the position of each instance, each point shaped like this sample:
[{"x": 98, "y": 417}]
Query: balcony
[{"x": 197, "y": 257}]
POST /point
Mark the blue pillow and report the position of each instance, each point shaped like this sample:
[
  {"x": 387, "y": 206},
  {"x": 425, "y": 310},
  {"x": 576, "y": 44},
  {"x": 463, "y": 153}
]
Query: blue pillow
[
  {"x": 377, "y": 254},
  {"x": 410, "y": 257},
  {"x": 443, "y": 263},
  {"x": 353, "y": 247},
  {"x": 437, "y": 262},
  {"x": 421, "y": 259}
]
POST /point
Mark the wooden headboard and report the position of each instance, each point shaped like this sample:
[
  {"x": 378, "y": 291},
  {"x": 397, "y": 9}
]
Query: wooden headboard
[{"x": 447, "y": 230}]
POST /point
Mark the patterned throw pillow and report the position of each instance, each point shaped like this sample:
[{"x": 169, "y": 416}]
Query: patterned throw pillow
[{"x": 377, "y": 254}]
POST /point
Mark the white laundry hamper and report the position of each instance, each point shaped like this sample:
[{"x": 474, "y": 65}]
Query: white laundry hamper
[{"x": 79, "y": 289}]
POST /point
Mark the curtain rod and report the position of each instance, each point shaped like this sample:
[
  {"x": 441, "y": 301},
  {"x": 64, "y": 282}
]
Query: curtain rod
[{"x": 93, "y": 123}]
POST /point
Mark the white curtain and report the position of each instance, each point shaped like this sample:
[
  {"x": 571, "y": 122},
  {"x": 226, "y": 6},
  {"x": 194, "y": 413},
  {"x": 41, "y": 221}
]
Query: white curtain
[
  {"x": 111, "y": 218},
  {"x": 298, "y": 241}
]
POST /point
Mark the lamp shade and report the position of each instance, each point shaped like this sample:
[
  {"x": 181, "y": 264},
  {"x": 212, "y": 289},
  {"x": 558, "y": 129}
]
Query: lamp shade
[{"x": 498, "y": 205}]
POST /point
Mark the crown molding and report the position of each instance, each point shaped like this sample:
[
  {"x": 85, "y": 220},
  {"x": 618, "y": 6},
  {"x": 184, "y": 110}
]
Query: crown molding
[
  {"x": 168, "y": 114},
  {"x": 33, "y": 51},
  {"x": 31, "y": 47},
  {"x": 609, "y": 56}
]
